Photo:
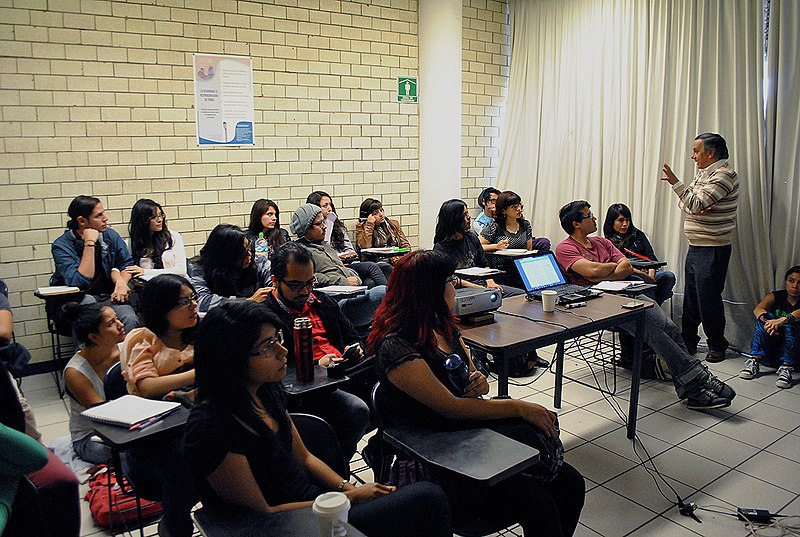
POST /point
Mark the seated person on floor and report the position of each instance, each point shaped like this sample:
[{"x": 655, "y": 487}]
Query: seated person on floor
[
  {"x": 414, "y": 333},
  {"x": 376, "y": 230},
  {"x": 93, "y": 257},
  {"x": 228, "y": 269},
  {"x": 265, "y": 217},
  {"x": 486, "y": 201},
  {"x": 587, "y": 260},
  {"x": 309, "y": 226},
  {"x": 371, "y": 274},
  {"x": 157, "y": 360},
  {"x": 333, "y": 335},
  {"x": 99, "y": 333},
  {"x": 619, "y": 229},
  {"x": 242, "y": 448},
  {"x": 154, "y": 247},
  {"x": 776, "y": 338}
]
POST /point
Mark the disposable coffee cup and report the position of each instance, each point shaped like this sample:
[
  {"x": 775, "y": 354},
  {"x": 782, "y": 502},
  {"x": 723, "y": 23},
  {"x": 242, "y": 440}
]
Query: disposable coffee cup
[
  {"x": 549, "y": 299},
  {"x": 331, "y": 509}
]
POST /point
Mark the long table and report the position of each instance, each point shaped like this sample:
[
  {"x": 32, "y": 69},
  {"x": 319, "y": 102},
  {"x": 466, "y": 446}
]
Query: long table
[{"x": 521, "y": 326}]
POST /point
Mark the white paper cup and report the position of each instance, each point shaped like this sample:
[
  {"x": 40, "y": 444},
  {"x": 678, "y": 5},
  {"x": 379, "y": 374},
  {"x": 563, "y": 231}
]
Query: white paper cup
[
  {"x": 549, "y": 299},
  {"x": 331, "y": 509}
]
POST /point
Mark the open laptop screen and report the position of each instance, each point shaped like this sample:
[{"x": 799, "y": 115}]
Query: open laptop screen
[{"x": 539, "y": 272}]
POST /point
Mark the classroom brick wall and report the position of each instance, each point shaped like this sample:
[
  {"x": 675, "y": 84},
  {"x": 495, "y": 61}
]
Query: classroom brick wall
[{"x": 96, "y": 97}]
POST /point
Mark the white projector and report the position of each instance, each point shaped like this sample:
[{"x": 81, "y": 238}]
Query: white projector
[{"x": 472, "y": 301}]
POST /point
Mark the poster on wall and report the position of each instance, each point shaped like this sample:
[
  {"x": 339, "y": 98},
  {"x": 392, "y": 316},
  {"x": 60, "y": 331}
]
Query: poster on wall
[{"x": 223, "y": 99}]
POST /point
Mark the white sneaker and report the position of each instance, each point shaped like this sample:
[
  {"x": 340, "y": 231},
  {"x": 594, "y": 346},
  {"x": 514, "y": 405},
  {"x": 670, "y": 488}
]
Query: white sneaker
[
  {"x": 784, "y": 377},
  {"x": 750, "y": 369}
]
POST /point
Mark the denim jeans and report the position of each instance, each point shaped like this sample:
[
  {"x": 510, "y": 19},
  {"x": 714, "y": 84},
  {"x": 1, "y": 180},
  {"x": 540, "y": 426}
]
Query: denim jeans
[
  {"x": 782, "y": 348},
  {"x": 661, "y": 334},
  {"x": 361, "y": 309}
]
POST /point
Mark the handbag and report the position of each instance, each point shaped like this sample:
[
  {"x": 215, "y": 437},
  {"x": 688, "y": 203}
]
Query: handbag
[
  {"x": 122, "y": 508},
  {"x": 407, "y": 471}
]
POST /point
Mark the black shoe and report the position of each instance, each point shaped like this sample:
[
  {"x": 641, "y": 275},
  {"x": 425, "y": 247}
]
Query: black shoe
[
  {"x": 708, "y": 380},
  {"x": 541, "y": 362},
  {"x": 714, "y": 356},
  {"x": 702, "y": 398}
]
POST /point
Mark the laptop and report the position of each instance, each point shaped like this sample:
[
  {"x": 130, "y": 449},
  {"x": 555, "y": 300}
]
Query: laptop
[{"x": 542, "y": 272}]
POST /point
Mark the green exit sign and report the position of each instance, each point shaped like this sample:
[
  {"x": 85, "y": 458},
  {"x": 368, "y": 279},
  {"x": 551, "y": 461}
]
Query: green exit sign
[{"x": 407, "y": 89}]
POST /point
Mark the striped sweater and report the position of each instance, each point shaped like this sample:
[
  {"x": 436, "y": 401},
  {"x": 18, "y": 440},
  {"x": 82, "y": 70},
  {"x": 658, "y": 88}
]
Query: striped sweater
[{"x": 710, "y": 203}]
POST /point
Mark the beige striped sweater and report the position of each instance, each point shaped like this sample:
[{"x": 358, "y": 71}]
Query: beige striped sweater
[{"x": 710, "y": 203}]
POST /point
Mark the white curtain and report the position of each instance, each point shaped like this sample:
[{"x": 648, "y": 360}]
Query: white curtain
[
  {"x": 783, "y": 134},
  {"x": 601, "y": 93}
]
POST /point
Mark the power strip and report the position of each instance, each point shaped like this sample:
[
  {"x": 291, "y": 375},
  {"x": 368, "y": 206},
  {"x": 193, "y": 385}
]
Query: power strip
[{"x": 762, "y": 516}]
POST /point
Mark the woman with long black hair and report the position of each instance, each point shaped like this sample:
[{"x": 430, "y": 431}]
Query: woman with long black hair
[
  {"x": 265, "y": 217},
  {"x": 154, "y": 247}
]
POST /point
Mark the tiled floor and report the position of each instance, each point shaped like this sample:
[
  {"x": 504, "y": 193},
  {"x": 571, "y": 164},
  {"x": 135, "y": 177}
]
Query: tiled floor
[{"x": 747, "y": 455}]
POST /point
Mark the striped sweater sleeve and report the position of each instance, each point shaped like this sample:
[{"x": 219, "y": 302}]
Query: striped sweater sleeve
[{"x": 710, "y": 204}]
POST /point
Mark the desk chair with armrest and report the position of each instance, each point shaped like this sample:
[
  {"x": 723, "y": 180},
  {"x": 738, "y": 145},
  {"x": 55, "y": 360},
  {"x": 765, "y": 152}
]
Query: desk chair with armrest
[
  {"x": 61, "y": 341},
  {"x": 479, "y": 454}
]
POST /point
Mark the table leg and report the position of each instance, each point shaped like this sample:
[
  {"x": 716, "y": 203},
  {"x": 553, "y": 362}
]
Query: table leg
[
  {"x": 502, "y": 383},
  {"x": 559, "y": 374},
  {"x": 636, "y": 374}
]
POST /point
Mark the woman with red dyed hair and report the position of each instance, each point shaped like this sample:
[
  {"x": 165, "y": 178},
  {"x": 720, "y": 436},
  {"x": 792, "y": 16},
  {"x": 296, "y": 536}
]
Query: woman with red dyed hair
[{"x": 413, "y": 334}]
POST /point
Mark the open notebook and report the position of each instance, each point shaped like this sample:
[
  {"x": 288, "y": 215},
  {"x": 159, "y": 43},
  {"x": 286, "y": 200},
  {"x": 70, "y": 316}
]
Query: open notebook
[{"x": 129, "y": 410}]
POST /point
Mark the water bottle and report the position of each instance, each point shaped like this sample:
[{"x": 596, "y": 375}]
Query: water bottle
[
  {"x": 303, "y": 351},
  {"x": 457, "y": 372},
  {"x": 262, "y": 246}
]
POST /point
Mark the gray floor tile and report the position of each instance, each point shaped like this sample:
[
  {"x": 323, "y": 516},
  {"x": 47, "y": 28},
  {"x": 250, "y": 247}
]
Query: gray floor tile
[
  {"x": 586, "y": 425},
  {"x": 667, "y": 428},
  {"x": 742, "y": 490},
  {"x": 664, "y": 527},
  {"x": 788, "y": 446},
  {"x": 719, "y": 448},
  {"x": 639, "y": 486},
  {"x": 597, "y": 463},
  {"x": 601, "y": 513},
  {"x": 689, "y": 468},
  {"x": 773, "y": 469},
  {"x": 741, "y": 428}
]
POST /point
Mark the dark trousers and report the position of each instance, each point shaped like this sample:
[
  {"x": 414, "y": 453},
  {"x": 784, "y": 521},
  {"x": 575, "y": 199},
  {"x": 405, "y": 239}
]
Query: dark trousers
[
  {"x": 705, "y": 271},
  {"x": 420, "y": 508}
]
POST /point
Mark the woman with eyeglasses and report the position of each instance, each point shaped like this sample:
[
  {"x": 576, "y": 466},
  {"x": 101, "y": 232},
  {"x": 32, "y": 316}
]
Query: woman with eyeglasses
[
  {"x": 413, "y": 335},
  {"x": 265, "y": 217},
  {"x": 154, "y": 247},
  {"x": 510, "y": 229},
  {"x": 243, "y": 448},
  {"x": 158, "y": 358},
  {"x": 228, "y": 269},
  {"x": 99, "y": 333}
]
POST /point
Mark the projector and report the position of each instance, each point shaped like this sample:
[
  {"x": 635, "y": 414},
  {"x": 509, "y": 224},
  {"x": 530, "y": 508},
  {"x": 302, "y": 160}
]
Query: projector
[{"x": 472, "y": 301}]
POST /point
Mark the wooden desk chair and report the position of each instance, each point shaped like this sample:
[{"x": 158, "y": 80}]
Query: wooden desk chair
[{"x": 417, "y": 446}]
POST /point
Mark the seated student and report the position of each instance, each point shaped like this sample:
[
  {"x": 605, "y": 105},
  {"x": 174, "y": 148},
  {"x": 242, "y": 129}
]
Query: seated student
[
  {"x": 619, "y": 229},
  {"x": 243, "y": 449},
  {"x": 375, "y": 230},
  {"x": 309, "y": 226},
  {"x": 99, "y": 333},
  {"x": 776, "y": 337},
  {"x": 486, "y": 201},
  {"x": 333, "y": 335},
  {"x": 228, "y": 269},
  {"x": 19, "y": 455},
  {"x": 153, "y": 246},
  {"x": 586, "y": 260},
  {"x": 413, "y": 334},
  {"x": 156, "y": 360},
  {"x": 371, "y": 274},
  {"x": 94, "y": 258},
  {"x": 510, "y": 229},
  {"x": 265, "y": 217}
]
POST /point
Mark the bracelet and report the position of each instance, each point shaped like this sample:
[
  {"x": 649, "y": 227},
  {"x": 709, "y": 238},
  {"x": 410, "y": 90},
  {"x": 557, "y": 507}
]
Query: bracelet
[
  {"x": 763, "y": 317},
  {"x": 341, "y": 485},
  {"x": 88, "y": 243},
  {"x": 789, "y": 318}
]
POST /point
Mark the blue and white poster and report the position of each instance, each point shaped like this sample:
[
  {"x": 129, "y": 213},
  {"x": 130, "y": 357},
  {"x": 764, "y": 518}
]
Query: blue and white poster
[{"x": 223, "y": 100}]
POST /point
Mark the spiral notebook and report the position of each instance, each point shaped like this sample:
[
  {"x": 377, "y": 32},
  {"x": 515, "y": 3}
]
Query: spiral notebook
[{"x": 129, "y": 410}]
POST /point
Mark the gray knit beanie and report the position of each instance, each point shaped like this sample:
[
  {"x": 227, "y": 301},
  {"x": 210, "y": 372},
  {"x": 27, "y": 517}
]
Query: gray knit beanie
[{"x": 303, "y": 217}]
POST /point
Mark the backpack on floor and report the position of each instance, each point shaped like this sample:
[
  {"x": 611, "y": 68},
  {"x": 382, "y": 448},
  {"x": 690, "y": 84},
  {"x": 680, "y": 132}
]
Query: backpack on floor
[
  {"x": 653, "y": 366},
  {"x": 123, "y": 501}
]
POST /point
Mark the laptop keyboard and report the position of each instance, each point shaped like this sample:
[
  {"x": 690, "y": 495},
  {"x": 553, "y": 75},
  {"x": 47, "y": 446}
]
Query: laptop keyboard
[{"x": 565, "y": 289}]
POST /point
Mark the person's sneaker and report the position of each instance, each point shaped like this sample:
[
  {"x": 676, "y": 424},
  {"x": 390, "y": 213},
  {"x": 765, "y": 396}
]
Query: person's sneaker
[
  {"x": 784, "y": 377},
  {"x": 708, "y": 380},
  {"x": 702, "y": 398},
  {"x": 715, "y": 356},
  {"x": 750, "y": 369}
]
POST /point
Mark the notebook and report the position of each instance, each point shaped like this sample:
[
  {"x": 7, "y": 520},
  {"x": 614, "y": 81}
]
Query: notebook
[
  {"x": 129, "y": 410},
  {"x": 57, "y": 290},
  {"x": 542, "y": 272}
]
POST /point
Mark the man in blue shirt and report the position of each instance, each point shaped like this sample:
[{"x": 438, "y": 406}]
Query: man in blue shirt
[
  {"x": 93, "y": 257},
  {"x": 486, "y": 201}
]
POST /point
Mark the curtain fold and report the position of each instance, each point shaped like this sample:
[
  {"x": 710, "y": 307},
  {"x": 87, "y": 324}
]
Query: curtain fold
[
  {"x": 783, "y": 135},
  {"x": 602, "y": 93}
]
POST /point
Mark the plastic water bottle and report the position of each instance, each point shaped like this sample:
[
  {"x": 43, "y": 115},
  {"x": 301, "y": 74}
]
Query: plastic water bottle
[
  {"x": 262, "y": 246},
  {"x": 457, "y": 372}
]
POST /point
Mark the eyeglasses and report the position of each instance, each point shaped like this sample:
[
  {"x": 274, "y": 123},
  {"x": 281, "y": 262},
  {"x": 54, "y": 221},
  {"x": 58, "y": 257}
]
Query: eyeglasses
[
  {"x": 269, "y": 346},
  {"x": 321, "y": 223},
  {"x": 159, "y": 216},
  {"x": 519, "y": 206},
  {"x": 586, "y": 216},
  {"x": 187, "y": 300},
  {"x": 297, "y": 286}
]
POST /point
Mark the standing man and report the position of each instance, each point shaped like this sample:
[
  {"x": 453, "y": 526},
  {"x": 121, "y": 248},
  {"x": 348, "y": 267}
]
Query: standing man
[
  {"x": 710, "y": 203},
  {"x": 93, "y": 257}
]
